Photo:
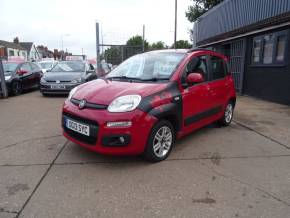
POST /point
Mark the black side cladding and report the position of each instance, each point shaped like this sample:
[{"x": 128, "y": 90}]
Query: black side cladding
[{"x": 166, "y": 103}]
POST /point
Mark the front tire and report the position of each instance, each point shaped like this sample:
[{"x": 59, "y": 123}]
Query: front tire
[
  {"x": 160, "y": 142},
  {"x": 228, "y": 114},
  {"x": 16, "y": 88}
]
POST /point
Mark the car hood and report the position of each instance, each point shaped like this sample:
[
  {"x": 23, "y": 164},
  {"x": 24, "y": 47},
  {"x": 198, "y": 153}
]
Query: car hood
[
  {"x": 65, "y": 76},
  {"x": 103, "y": 91}
]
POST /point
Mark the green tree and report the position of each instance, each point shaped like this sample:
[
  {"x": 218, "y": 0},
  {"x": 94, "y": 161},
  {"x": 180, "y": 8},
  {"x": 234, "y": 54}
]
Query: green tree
[
  {"x": 182, "y": 44},
  {"x": 199, "y": 7},
  {"x": 113, "y": 55},
  {"x": 158, "y": 45},
  {"x": 137, "y": 41}
]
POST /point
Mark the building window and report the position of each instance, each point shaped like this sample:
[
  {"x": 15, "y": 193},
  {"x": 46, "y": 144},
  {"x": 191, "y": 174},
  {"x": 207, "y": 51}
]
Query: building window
[
  {"x": 270, "y": 49},
  {"x": 257, "y": 50},
  {"x": 281, "y": 45},
  {"x": 11, "y": 53}
]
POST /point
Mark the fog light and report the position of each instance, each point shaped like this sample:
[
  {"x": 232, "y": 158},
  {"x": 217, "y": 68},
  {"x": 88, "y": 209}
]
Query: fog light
[
  {"x": 119, "y": 124},
  {"x": 122, "y": 139}
]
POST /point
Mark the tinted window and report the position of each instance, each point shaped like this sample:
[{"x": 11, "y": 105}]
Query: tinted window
[
  {"x": 218, "y": 68},
  {"x": 35, "y": 67}
]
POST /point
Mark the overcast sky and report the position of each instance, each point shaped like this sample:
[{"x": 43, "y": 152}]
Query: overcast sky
[{"x": 45, "y": 21}]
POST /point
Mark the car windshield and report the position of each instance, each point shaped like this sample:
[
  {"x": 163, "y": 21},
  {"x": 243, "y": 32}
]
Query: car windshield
[
  {"x": 45, "y": 65},
  {"x": 9, "y": 68},
  {"x": 150, "y": 66},
  {"x": 69, "y": 66}
]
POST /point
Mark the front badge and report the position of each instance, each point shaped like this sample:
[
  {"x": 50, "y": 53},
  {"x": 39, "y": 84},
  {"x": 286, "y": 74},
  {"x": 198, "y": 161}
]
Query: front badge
[{"x": 82, "y": 104}]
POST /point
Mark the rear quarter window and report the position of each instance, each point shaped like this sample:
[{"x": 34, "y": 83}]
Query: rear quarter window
[{"x": 218, "y": 67}]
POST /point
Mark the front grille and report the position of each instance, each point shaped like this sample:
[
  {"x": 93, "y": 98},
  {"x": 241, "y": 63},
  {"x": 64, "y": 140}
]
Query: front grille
[
  {"x": 60, "y": 81},
  {"x": 94, "y": 127},
  {"x": 89, "y": 105}
]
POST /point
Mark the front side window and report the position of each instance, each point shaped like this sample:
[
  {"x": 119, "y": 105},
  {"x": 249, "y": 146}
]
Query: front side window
[
  {"x": 196, "y": 65},
  {"x": 218, "y": 68}
]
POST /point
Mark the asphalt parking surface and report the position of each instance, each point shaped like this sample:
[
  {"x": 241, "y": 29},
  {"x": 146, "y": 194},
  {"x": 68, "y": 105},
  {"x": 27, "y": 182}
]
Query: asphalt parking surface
[{"x": 239, "y": 171}]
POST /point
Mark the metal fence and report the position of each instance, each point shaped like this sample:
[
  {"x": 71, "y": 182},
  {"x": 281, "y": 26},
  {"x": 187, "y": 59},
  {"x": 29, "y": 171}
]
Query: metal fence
[
  {"x": 116, "y": 54},
  {"x": 237, "y": 62}
]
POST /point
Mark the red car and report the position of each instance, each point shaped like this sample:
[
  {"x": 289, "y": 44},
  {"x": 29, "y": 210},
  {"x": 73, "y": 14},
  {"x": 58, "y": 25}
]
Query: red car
[{"x": 149, "y": 101}]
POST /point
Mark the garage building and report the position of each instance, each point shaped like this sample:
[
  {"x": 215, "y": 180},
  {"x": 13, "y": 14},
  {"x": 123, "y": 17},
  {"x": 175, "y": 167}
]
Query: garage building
[{"x": 255, "y": 35}]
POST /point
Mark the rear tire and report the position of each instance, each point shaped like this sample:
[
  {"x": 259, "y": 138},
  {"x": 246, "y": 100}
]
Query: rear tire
[
  {"x": 16, "y": 88},
  {"x": 160, "y": 142},
  {"x": 228, "y": 114}
]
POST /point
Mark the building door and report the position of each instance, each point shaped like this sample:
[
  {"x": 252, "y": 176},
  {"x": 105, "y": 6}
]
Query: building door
[{"x": 237, "y": 62}]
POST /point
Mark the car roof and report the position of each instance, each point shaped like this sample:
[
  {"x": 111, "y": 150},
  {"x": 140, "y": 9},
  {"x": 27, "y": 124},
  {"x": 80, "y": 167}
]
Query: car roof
[
  {"x": 14, "y": 62},
  {"x": 184, "y": 51}
]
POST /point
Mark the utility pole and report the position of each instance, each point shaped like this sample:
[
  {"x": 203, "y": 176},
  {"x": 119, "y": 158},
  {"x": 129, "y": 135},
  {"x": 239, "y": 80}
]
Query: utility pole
[
  {"x": 143, "y": 42},
  {"x": 98, "y": 46},
  {"x": 175, "y": 28}
]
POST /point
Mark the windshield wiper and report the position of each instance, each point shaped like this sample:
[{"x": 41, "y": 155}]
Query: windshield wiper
[
  {"x": 155, "y": 79},
  {"x": 123, "y": 77}
]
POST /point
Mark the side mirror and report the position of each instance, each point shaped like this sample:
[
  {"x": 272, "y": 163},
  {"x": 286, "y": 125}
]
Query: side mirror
[
  {"x": 21, "y": 72},
  {"x": 194, "y": 78}
]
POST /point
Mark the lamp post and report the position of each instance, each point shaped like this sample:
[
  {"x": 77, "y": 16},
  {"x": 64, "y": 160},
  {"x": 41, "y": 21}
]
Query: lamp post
[
  {"x": 62, "y": 36},
  {"x": 175, "y": 26}
]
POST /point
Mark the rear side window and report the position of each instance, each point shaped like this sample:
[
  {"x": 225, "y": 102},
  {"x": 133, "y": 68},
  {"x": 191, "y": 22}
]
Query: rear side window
[
  {"x": 35, "y": 67},
  {"x": 218, "y": 68},
  {"x": 26, "y": 67}
]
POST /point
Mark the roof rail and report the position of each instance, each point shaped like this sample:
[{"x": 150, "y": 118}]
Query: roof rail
[{"x": 198, "y": 49}]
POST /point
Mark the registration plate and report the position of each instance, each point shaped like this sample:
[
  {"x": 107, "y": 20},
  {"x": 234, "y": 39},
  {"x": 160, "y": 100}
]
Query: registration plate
[
  {"x": 59, "y": 86},
  {"x": 77, "y": 127}
]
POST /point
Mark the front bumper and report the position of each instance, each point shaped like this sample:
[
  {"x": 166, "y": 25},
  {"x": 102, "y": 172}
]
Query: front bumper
[
  {"x": 103, "y": 139},
  {"x": 46, "y": 88}
]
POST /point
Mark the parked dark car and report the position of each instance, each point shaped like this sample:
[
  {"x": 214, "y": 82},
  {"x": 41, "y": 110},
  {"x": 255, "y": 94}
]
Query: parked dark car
[
  {"x": 66, "y": 75},
  {"x": 20, "y": 76}
]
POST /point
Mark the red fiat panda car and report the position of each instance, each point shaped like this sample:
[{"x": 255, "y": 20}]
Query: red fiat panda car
[{"x": 149, "y": 101}]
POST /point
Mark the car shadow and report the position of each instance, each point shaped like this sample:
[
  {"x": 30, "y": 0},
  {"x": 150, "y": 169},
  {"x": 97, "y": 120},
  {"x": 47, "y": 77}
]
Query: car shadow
[{"x": 75, "y": 154}]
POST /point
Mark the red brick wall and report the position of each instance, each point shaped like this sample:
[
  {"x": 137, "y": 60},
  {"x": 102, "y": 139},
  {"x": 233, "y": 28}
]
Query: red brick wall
[{"x": 2, "y": 52}]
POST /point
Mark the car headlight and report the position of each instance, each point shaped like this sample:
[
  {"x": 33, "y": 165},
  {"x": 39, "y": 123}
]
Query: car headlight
[
  {"x": 79, "y": 80},
  {"x": 42, "y": 80},
  {"x": 72, "y": 92},
  {"x": 7, "y": 78},
  {"x": 124, "y": 103}
]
